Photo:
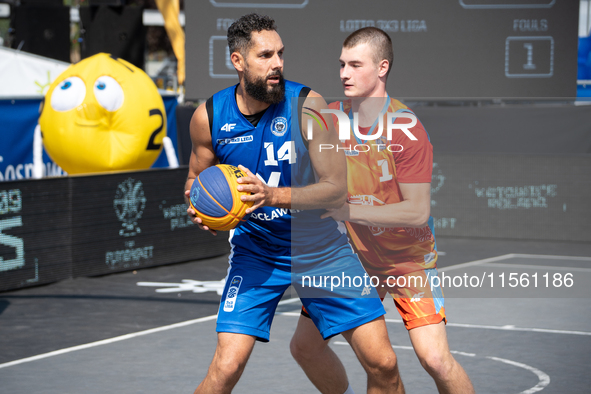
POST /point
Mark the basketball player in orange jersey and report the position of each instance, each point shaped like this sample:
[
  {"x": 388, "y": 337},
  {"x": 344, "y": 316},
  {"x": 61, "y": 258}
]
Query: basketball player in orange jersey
[{"x": 387, "y": 217}]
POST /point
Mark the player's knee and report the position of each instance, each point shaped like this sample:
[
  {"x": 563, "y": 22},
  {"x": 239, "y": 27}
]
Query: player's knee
[
  {"x": 228, "y": 370},
  {"x": 301, "y": 350},
  {"x": 384, "y": 367},
  {"x": 438, "y": 364}
]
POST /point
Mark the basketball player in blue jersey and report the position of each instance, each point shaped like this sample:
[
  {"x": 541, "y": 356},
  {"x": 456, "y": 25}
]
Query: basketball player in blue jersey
[{"x": 252, "y": 125}]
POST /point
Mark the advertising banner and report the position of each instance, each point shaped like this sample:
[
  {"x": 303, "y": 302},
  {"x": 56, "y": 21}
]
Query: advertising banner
[{"x": 54, "y": 229}]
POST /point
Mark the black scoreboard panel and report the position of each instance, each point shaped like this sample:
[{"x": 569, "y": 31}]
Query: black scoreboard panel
[
  {"x": 56, "y": 229},
  {"x": 442, "y": 49},
  {"x": 35, "y": 231},
  {"x": 536, "y": 197}
]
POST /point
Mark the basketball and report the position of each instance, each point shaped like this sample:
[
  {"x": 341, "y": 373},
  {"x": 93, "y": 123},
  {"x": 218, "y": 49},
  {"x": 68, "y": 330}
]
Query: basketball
[{"x": 216, "y": 200}]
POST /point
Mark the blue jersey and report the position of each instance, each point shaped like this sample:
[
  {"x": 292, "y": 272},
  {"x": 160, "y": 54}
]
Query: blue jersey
[{"x": 280, "y": 158}]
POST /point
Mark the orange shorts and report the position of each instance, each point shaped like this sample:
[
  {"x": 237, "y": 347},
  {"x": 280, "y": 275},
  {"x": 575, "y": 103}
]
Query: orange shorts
[{"x": 417, "y": 304}]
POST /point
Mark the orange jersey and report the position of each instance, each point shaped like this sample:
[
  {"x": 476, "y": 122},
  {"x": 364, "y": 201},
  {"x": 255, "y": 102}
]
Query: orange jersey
[{"x": 373, "y": 177}]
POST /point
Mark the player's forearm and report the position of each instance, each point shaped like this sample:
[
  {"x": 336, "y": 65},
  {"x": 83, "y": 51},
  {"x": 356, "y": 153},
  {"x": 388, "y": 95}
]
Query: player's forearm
[
  {"x": 402, "y": 214},
  {"x": 322, "y": 195},
  {"x": 280, "y": 197},
  {"x": 317, "y": 196}
]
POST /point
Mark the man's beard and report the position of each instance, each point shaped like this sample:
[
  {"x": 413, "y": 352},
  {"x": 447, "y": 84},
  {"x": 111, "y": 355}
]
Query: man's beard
[{"x": 257, "y": 88}]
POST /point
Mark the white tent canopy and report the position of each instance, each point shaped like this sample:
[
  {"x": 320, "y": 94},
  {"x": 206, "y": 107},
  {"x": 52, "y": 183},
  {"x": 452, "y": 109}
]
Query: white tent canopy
[{"x": 26, "y": 75}]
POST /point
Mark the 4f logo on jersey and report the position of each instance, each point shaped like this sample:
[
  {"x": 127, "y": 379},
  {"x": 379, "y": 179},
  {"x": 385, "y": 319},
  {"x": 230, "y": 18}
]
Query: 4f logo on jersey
[
  {"x": 232, "y": 294},
  {"x": 228, "y": 127},
  {"x": 417, "y": 297}
]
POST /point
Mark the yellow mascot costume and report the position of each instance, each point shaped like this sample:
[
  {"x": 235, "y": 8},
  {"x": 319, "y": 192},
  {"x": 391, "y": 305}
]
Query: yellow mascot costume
[{"x": 103, "y": 114}]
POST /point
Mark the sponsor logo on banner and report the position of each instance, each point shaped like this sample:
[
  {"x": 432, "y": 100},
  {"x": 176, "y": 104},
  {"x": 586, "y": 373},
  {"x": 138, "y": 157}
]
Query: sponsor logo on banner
[{"x": 129, "y": 204}]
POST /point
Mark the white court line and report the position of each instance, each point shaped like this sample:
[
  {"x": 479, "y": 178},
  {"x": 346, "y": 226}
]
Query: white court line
[
  {"x": 500, "y": 328},
  {"x": 507, "y": 328},
  {"x": 538, "y": 267},
  {"x": 476, "y": 262},
  {"x": 512, "y": 256},
  {"x": 543, "y": 378},
  {"x": 550, "y": 257},
  {"x": 107, "y": 341},
  {"x": 289, "y": 301},
  {"x": 120, "y": 338}
]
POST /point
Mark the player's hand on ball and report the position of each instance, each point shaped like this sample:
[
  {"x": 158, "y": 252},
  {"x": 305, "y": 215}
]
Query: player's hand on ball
[
  {"x": 193, "y": 216},
  {"x": 262, "y": 195}
]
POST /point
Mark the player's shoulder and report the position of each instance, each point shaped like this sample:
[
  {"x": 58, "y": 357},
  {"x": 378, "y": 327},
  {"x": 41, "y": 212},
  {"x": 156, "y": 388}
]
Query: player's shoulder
[
  {"x": 334, "y": 105},
  {"x": 397, "y": 105},
  {"x": 293, "y": 89},
  {"x": 314, "y": 100},
  {"x": 200, "y": 121},
  {"x": 200, "y": 114}
]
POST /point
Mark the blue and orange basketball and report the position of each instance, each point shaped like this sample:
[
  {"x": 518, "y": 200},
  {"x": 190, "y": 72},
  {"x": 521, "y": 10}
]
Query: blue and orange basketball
[{"x": 216, "y": 200}]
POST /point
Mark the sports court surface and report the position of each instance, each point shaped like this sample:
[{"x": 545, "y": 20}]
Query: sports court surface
[{"x": 110, "y": 335}]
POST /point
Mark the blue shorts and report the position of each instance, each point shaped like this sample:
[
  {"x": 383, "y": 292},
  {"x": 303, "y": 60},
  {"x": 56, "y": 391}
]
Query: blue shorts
[{"x": 256, "y": 283}]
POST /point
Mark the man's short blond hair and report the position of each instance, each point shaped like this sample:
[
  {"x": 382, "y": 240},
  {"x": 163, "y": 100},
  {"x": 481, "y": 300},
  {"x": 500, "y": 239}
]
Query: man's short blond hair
[{"x": 378, "y": 40}]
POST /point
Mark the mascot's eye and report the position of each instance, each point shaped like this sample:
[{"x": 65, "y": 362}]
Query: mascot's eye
[
  {"x": 108, "y": 93},
  {"x": 68, "y": 94}
]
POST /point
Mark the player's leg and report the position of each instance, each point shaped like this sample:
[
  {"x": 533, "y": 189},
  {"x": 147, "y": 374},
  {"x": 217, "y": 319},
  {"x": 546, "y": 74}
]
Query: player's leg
[
  {"x": 421, "y": 306},
  {"x": 432, "y": 349},
  {"x": 254, "y": 286},
  {"x": 320, "y": 364},
  {"x": 231, "y": 354},
  {"x": 372, "y": 346},
  {"x": 351, "y": 308}
]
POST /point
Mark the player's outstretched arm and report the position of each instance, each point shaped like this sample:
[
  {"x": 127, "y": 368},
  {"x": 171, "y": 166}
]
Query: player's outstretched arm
[
  {"x": 330, "y": 166},
  {"x": 414, "y": 211},
  {"x": 202, "y": 155}
]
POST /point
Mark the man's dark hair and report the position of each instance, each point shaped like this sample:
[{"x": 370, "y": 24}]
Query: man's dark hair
[
  {"x": 240, "y": 32},
  {"x": 377, "y": 39}
]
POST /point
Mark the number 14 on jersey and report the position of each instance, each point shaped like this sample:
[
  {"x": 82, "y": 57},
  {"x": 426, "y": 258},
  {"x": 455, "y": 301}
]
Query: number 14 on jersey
[{"x": 285, "y": 152}]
